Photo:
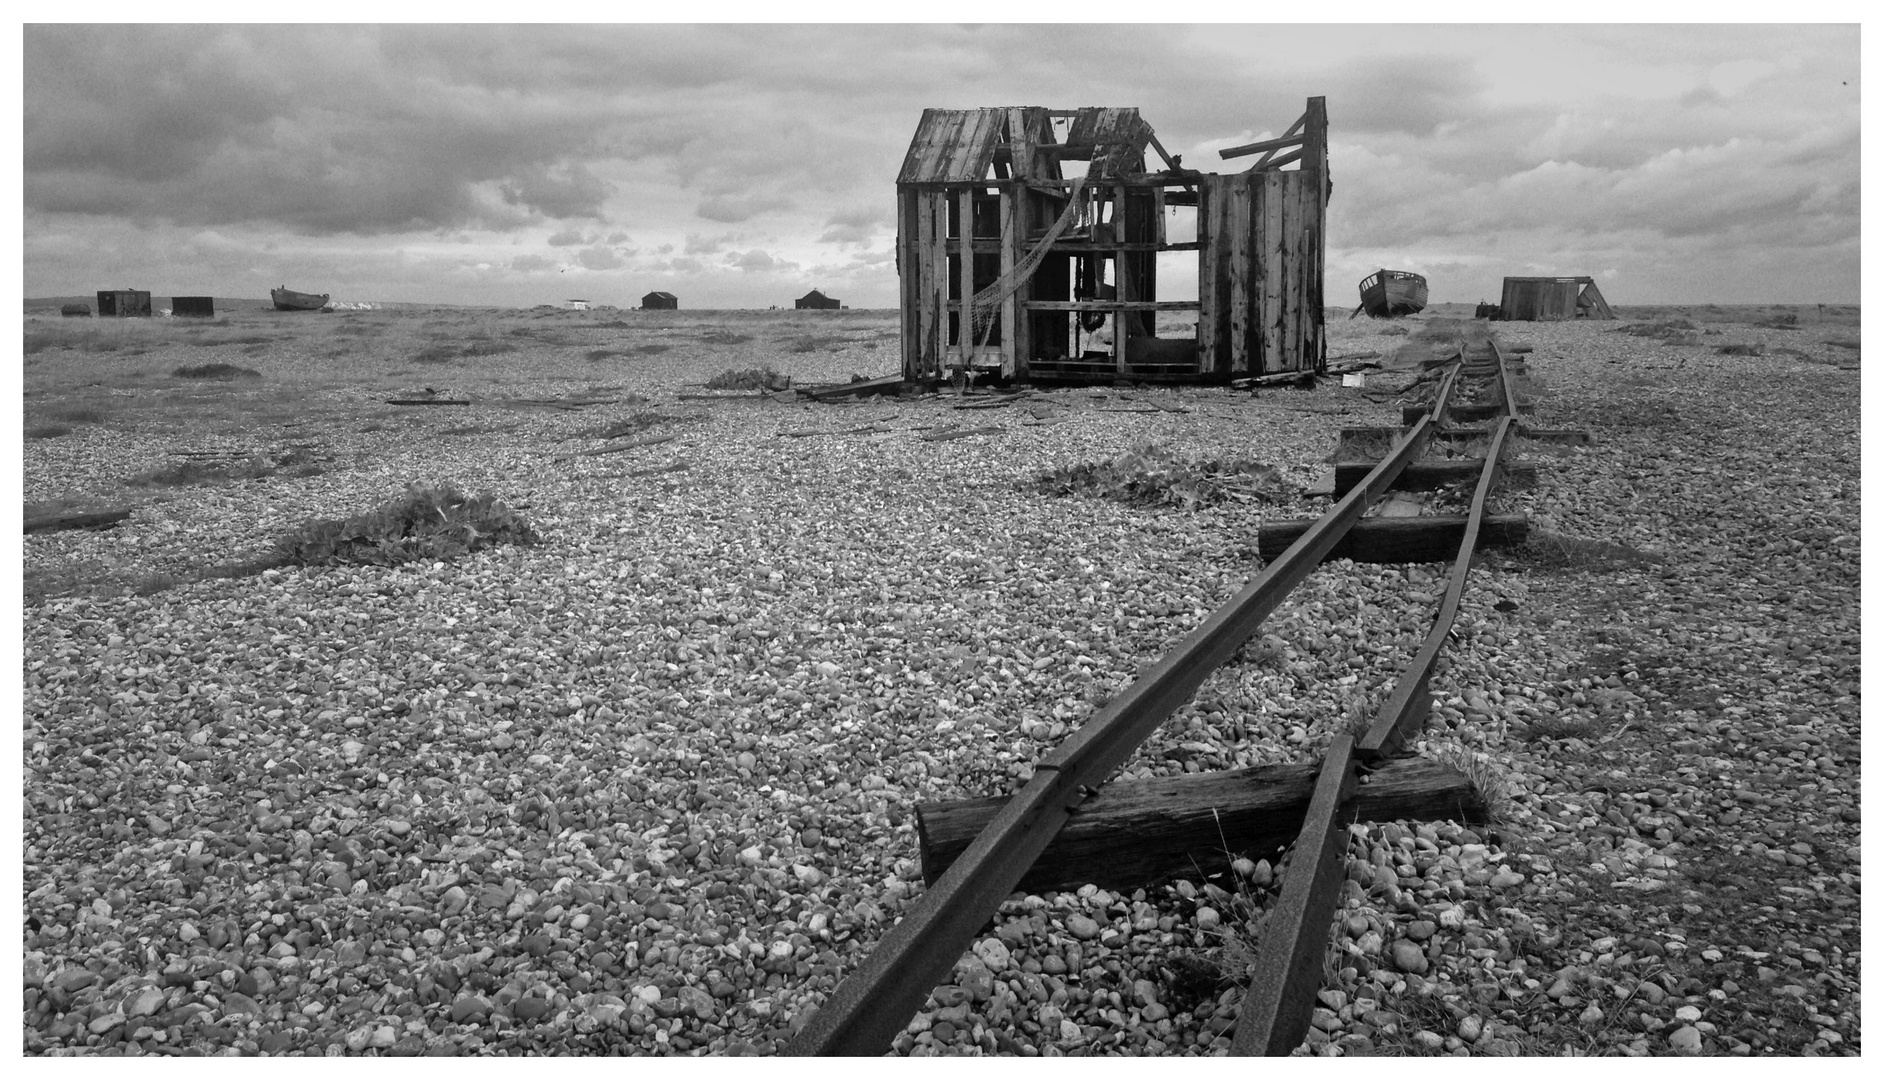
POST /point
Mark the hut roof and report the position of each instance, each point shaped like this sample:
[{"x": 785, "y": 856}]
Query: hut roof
[
  {"x": 954, "y": 146},
  {"x": 662, "y": 295}
]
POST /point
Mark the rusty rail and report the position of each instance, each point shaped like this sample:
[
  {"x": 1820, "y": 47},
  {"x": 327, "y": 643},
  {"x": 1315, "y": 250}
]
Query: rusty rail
[
  {"x": 1281, "y": 998},
  {"x": 876, "y": 1001}
]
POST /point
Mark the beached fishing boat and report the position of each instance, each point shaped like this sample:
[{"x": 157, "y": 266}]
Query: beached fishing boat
[
  {"x": 287, "y": 299},
  {"x": 1386, "y": 293}
]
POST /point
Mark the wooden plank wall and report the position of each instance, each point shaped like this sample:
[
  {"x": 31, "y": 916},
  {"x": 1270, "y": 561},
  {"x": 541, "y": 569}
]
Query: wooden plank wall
[{"x": 1259, "y": 260}]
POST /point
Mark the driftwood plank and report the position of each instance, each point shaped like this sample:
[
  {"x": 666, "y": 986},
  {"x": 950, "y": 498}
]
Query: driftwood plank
[
  {"x": 1135, "y": 834},
  {"x": 426, "y": 401},
  {"x": 1398, "y": 539},
  {"x": 96, "y": 519}
]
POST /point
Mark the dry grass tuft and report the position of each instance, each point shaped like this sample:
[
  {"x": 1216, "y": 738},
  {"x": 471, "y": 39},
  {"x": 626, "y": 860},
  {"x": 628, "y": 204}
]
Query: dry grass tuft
[{"x": 220, "y": 371}]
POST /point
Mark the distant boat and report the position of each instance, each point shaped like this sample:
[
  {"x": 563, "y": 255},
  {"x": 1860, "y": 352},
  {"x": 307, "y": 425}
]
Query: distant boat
[
  {"x": 287, "y": 299},
  {"x": 1386, "y": 293}
]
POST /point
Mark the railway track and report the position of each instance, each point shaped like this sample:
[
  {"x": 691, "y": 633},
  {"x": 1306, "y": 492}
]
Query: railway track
[{"x": 1476, "y": 403}]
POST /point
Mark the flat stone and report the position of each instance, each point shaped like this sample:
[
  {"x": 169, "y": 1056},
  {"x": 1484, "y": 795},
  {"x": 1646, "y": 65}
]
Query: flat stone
[
  {"x": 1082, "y": 927},
  {"x": 1685, "y": 1040},
  {"x": 471, "y": 1007}
]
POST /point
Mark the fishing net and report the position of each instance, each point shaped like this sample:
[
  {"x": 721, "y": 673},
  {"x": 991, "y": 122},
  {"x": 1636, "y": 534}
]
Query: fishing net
[{"x": 985, "y": 305}]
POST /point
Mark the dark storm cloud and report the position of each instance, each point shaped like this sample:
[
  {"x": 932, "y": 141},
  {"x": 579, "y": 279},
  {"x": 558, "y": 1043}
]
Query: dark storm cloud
[{"x": 324, "y": 130}]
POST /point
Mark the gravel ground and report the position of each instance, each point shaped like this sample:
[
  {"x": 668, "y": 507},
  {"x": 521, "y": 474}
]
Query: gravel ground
[{"x": 647, "y": 788}]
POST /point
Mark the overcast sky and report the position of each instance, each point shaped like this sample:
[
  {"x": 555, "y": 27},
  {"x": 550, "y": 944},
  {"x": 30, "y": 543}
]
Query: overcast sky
[{"x": 739, "y": 166}]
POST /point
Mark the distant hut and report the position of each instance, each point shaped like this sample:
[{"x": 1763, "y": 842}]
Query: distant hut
[
  {"x": 577, "y": 305},
  {"x": 124, "y": 303},
  {"x": 816, "y": 299},
  {"x": 193, "y": 307},
  {"x": 1549, "y": 299},
  {"x": 660, "y": 301}
]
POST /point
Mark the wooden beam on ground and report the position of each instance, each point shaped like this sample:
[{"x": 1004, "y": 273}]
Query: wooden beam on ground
[
  {"x": 426, "y": 401},
  {"x": 1430, "y": 475},
  {"x": 888, "y": 384},
  {"x": 1399, "y": 539},
  {"x": 1136, "y": 834},
  {"x": 94, "y": 519}
]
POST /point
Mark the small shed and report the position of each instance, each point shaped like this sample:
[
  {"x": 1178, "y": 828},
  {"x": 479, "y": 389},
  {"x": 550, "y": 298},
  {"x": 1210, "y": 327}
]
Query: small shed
[
  {"x": 124, "y": 303},
  {"x": 816, "y": 299},
  {"x": 576, "y": 305},
  {"x": 193, "y": 307},
  {"x": 1029, "y": 243},
  {"x": 1551, "y": 299},
  {"x": 660, "y": 301}
]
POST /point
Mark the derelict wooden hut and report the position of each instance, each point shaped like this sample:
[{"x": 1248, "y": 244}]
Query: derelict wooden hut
[
  {"x": 660, "y": 301},
  {"x": 1544, "y": 299},
  {"x": 193, "y": 307},
  {"x": 816, "y": 299},
  {"x": 991, "y": 226},
  {"x": 125, "y": 303}
]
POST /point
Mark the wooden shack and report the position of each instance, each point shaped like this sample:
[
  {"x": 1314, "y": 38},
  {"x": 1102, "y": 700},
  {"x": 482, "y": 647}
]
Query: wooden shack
[
  {"x": 660, "y": 301},
  {"x": 124, "y": 303},
  {"x": 1012, "y": 267},
  {"x": 1546, "y": 299},
  {"x": 817, "y": 300},
  {"x": 193, "y": 307}
]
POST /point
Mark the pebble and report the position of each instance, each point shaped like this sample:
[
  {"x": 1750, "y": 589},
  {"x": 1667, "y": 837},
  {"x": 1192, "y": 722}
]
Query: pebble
[
  {"x": 1685, "y": 1040},
  {"x": 1082, "y": 927}
]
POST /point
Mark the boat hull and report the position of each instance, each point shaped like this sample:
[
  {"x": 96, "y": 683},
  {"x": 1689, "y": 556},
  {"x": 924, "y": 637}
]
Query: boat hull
[
  {"x": 289, "y": 300},
  {"x": 1388, "y": 293}
]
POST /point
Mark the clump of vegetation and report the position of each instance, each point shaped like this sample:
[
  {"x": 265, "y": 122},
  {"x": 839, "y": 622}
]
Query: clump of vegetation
[
  {"x": 650, "y": 349},
  {"x": 298, "y": 461},
  {"x": 1743, "y": 350},
  {"x": 220, "y": 371},
  {"x": 637, "y": 423},
  {"x": 1545, "y": 550},
  {"x": 1153, "y": 475},
  {"x": 47, "y": 431},
  {"x": 431, "y": 522},
  {"x": 813, "y": 344},
  {"x": 761, "y": 378},
  {"x": 724, "y": 337},
  {"x": 86, "y": 339},
  {"x": 445, "y": 354},
  {"x": 75, "y": 414},
  {"x": 1675, "y": 331}
]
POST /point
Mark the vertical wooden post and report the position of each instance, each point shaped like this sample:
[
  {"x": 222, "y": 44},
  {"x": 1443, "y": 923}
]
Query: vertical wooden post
[
  {"x": 1241, "y": 209},
  {"x": 939, "y": 275},
  {"x": 1122, "y": 278},
  {"x": 921, "y": 269},
  {"x": 1208, "y": 190},
  {"x": 909, "y": 274},
  {"x": 1315, "y": 157},
  {"x": 966, "y": 337},
  {"x": 1010, "y": 311},
  {"x": 1272, "y": 241}
]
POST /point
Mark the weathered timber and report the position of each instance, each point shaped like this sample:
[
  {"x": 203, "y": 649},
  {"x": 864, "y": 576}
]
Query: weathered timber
[
  {"x": 96, "y": 519},
  {"x": 1575, "y": 436},
  {"x": 1398, "y": 539},
  {"x": 1132, "y": 835},
  {"x": 1281, "y": 995},
  {"x": 632, "y": 444},
  {"x": 426, "y": 401},
  {"x": 1464, "y": 414},
  {"x": 1429, "y": 475}
]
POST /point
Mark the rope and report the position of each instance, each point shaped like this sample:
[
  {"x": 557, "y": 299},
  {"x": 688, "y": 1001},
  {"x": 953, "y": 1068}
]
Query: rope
[{"x": 986, "y": 303}]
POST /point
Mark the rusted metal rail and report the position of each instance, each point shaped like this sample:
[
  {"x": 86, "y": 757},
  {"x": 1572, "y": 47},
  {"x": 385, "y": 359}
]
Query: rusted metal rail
[
  {"x": 875, "y": 1002},
  {"x": 1281, "y": 998}
]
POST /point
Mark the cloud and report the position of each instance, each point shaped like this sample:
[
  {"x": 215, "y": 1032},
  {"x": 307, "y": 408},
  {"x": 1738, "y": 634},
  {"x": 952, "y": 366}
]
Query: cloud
[
  {"x": 732, "y": 209},
  {"x": 567, "y": 238},
  {"x": 758, "y": 261},
  {"x": 600, "y": 258},
  {"x": 531, "y": 264},
  {"x": 855, "y": 226},
  {"x": 700, "y": 244}
]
